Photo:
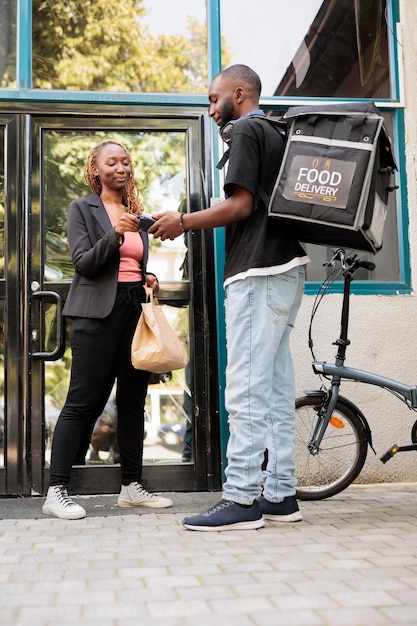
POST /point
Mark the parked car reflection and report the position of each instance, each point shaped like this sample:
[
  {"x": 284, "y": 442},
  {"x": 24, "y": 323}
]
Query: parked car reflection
[
  {"x": 1, "y": 424},
  {"x": 51, "y": 417},
  {"x": 172, "y": 435},
  {"x": 58, "y": 262}
]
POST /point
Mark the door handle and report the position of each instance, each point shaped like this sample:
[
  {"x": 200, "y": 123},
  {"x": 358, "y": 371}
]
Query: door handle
[{"x": 57, "y": 353}]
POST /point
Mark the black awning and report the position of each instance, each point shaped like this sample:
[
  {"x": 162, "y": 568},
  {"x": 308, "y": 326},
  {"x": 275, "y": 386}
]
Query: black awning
[{"x": 344, "y": 54}]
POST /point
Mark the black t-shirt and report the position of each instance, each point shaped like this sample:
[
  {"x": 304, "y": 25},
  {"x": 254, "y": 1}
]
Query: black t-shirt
[{"x": 256, "y": 151}]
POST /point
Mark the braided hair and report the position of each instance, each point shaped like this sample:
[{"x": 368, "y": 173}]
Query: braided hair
[{"x": 130, "y": 197}]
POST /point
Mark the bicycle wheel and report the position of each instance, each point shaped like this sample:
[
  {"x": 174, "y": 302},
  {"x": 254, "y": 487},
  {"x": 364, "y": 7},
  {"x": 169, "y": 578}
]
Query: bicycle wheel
[{"x": 342, "y": 452}]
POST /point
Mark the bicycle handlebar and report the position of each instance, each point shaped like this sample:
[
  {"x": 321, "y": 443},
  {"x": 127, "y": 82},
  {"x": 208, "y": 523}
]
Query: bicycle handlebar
[
  {"x": 351, "y": 263},
  {"x": 367, "y": 265}
]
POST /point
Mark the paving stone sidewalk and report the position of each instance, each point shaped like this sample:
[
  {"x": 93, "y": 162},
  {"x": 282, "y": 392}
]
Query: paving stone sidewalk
[{"x": 352, "y": 561}]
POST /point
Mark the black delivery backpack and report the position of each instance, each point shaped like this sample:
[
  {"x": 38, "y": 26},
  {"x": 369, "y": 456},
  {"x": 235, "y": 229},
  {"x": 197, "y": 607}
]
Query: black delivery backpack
[{"x": 335, "y": 177}]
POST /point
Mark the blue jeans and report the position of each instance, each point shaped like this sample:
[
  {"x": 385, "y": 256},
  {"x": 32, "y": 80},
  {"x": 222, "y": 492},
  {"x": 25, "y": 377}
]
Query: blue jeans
[{"x": 260, "y": 387}]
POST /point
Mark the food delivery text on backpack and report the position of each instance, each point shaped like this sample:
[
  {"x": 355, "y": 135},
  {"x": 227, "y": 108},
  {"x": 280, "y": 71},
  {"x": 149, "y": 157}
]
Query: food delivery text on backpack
[{"x": 335, "y": 176}]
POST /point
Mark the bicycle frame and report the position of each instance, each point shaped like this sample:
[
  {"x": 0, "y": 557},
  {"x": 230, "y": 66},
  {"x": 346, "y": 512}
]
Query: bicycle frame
[
  {"x": 333, "y": 435},
  {"x": 339, "y": 372}
]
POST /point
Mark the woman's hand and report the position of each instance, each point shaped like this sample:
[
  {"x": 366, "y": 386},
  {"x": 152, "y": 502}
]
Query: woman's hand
[
  {"x": 126, "y": 223},
  {"x": 152, "y": 282}
]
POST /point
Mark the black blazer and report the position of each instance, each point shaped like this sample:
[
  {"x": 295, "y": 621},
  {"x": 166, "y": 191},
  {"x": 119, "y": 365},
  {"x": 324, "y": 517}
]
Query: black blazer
[{"x": 95, "y": 254}]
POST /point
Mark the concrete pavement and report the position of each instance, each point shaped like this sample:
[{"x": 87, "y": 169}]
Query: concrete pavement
[{"x": 352, "y": 561}]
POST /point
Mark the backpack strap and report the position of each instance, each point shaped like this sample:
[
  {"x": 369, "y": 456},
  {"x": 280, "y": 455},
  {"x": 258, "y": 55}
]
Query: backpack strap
[
  {"x": 220, "y": 165},
  {"x": 279, "y": 125},
  {"x": 263, "y": 196}
]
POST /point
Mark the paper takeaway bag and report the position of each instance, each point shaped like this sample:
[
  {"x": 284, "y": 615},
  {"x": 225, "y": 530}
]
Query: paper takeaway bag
[{"x": 155, "y": 345}]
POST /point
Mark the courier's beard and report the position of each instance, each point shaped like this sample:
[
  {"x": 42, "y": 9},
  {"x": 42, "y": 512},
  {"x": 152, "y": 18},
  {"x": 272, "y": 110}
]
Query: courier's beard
[{"x": 227, "y": 112}]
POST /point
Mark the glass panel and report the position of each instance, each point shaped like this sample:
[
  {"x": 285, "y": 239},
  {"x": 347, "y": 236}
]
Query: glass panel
[
  {"x": 94, "y": 46},
  {"x": 159, "y": 160},
  {"x": 2, "y": 415},
  {"x": 2, "y": 422},
  {"x": 168, "y": 410},
  {"x": 1, "y": 202},
  {"x": 307, "y": 48},
  {"x": 8, "y": 44},
  {"x": 160, "y": 169},
  {"x": 57, "y": 375}
]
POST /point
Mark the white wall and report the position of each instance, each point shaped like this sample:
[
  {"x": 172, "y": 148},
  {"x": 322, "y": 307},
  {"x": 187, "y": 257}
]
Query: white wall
[{"x": 383, "y": 329}]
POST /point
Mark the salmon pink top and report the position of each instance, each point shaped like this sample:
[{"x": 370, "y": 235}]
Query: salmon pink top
[{"x": 131, "y": 255}]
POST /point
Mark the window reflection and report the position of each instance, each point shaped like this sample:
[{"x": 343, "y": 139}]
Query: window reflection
[
  {"x": 8, "y": 44},
  {"x": 159, "y": 161},
  {"x": 307, "y": 48},
  {"x": 344, "y": 53},
  {"x": 312, "y": 48},
  {"x": 146, "y": 46},
  {"x": 2, "y": 407},
  {"x": 1, "y": 202},
  {"x": 167, "y": 410},
  {"x": 160, "y": 169}
]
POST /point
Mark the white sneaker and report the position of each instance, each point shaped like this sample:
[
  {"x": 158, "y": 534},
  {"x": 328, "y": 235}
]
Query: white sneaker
[
  {"x": 59, "y": 504},
  {"x": 136, "y": 495}
]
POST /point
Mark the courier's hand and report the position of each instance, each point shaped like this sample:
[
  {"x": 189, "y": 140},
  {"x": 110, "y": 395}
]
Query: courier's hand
[{"x": 167, "y": 225}]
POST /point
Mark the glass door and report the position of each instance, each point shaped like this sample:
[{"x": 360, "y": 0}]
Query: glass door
[
  {"x": 181, "y": 450},
  {"x": 14, "y": 399},
  {"x": 2, "y": 303}
]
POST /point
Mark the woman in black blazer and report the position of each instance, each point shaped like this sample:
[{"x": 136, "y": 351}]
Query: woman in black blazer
[{"x": 109, "y": 254}]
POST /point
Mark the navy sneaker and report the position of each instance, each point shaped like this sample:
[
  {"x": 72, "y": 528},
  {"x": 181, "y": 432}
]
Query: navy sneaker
[
  {"x": 285, "y": 511},
  {"x": 226, "y": 515}
]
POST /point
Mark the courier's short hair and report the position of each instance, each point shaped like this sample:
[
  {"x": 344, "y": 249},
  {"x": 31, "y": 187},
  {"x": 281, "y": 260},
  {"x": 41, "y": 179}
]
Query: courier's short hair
[{"x": 244, "y": 74}]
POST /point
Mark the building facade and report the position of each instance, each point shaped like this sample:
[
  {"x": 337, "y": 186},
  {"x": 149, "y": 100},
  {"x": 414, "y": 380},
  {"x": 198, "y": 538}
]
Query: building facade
[{"x": 73, "y": 73}]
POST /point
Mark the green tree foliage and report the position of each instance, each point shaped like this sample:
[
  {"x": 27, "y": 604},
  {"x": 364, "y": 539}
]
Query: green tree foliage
[
  {"x": 1, "y": 203},
  {"x": 8, "y": 43},
  {"x": 96, "y": 45}
]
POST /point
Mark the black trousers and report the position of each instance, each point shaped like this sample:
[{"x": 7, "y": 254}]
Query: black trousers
[{"x": 101, "y": 356}]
